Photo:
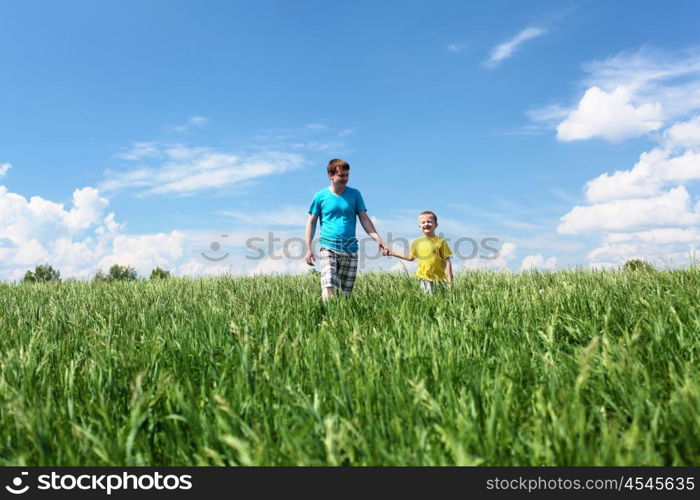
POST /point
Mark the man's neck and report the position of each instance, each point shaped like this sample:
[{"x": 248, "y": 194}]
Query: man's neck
[{"x": 337, "y": 190}]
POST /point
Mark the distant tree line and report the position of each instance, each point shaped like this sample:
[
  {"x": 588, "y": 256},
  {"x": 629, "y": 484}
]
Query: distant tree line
[{"x": 45, "y": 273}]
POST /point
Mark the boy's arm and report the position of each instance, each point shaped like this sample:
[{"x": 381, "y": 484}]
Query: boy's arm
[
  {"x": 399, "y": 255},
  {"x": 308, "y": 237},
  {"x": 409, "y": 257},
  {"x": 368, "y": 226},
  {"x": 448, "y": 270}
]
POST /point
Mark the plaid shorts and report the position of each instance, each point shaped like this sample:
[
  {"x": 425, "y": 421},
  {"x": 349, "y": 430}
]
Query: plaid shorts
[
  {"x": 338, "y": 270},
  {"x": 432, "y": 287}
]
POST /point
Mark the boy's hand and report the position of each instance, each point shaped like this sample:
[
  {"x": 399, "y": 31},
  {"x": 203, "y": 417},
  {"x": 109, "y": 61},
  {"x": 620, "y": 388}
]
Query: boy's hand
[{"x": 310, "y": 257}]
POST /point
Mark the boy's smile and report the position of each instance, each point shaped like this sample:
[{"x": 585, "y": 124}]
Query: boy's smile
[{"x": 427, "y": 225}]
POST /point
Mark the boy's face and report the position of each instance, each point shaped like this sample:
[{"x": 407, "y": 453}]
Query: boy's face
[
  {"x": 427, "y": 224},
  {"x": 340, "y": 178}
]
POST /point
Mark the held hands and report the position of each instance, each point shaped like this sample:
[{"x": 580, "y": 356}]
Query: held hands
[{"x": 384, "y": 249}]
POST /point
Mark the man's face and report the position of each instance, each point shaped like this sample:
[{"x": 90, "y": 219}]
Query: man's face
[
  {"x": 340, "y": 178},
  {"x": 427, "y": 224}
]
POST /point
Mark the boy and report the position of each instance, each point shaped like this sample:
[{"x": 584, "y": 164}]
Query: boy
[
  {"x": 336, "y": 207},
  {"x": 433, "y": 255}
]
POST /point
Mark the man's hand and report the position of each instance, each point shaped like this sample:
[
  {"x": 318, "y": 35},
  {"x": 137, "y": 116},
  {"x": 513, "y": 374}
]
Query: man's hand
[
  {"x": 309, "y": 238},
  {"x": 382, "y": 246},
  {"x": 386, "y": 251},
  {"x": 310, "y": 257}
]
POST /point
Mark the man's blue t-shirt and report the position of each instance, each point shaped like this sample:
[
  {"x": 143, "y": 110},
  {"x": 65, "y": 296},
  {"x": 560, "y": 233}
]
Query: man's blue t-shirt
[{"x": 337, "y": 216}]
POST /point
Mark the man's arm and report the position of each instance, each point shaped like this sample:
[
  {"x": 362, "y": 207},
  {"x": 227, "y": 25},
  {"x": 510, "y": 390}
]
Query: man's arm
[
  {"x": 368, "y": 226},
  {"x": 448, "y": 270},
  {"x": 309, "y": 237}
]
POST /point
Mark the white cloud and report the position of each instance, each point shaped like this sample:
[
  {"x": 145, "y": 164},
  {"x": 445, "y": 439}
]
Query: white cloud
[
  {"x": 671, "y": 79},
  {"x": 196, "y": 267},
  {"x": 635, "y": 200},
  {"x": 655, "y": 169},
  {"x": 4, "y": 167},
  {"x": 186, "y": 170},
  {"x": 610, "y": 116},
  {"x": 662, "y": 247},
  {"x": 144, "y": 252},
  {"x": 506, "y": 49},
  {"x": 647, "y": 211},
  {"x": 76, "y": 241},
  {"x": 39, "y": 230},
  {"x": 672, "y": 208},
  {"x": 538, "y": 262},
  {"x": 657, "y": 88},
  {"x": 660, "y": 236},
  {"x": 28, "y": 252},
  {"x": 684, "y": 135},
  {"x": 88, "y": 206},
  {"x": 41, "y": 219},
  {"x": 505, "y": 255},
  {"x": 651, "y": 75}
]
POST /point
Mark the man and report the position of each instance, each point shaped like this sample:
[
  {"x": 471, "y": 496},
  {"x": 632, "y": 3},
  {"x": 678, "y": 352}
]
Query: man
[{"x": 336, "y": 207}]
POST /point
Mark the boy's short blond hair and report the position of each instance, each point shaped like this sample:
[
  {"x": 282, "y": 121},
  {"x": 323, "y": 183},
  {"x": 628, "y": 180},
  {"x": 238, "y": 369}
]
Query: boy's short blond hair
[
  {"x": 336, "y": 164},
  {"x": 428, "y": 212}
]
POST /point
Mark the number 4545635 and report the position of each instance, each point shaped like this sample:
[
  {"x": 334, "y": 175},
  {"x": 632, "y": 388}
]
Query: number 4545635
[{"x": 660, "y": 483}]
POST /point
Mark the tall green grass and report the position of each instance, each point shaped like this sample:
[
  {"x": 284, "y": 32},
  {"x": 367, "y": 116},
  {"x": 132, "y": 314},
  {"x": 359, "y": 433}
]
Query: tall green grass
[{"x": 566, "y": 368}]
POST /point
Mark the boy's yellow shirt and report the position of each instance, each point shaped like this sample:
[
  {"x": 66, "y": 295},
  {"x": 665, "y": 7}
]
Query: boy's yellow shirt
[{"x": 431, "y": 254}]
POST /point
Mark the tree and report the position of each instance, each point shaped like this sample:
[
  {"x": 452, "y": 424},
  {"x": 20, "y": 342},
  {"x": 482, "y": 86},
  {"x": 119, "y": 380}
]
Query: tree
[
  {"x": 159, "y": 273},
  {"x": 100, "y": 276},
  {"x": 42, "y": 274},
  {"x": 122, "y": 273},
  {"x": 638, "y": 265},
  {"x": 117, "y": 273}
]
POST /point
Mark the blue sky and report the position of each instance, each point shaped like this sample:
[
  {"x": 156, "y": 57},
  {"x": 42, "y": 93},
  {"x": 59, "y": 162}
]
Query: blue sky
[{"x": 140, "y": 133}]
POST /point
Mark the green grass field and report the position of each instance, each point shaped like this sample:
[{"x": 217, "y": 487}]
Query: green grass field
[{"x": 566, "y": 368}]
